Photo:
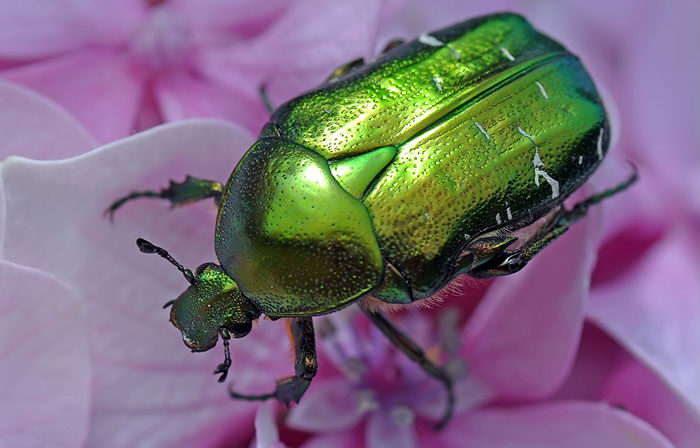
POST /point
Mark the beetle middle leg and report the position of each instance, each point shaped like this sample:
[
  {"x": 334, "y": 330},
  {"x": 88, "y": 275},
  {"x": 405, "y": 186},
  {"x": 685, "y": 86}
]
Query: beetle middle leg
[
  {"x": 510, "y": 262},
  {"x": 192, "y": 189},
  {"x": 416, "y": 354},
  {"x": 305, "y": 365}
]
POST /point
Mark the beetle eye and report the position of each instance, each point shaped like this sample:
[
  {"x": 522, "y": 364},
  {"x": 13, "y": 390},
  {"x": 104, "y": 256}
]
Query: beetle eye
[{"x": 240, "y": 329}]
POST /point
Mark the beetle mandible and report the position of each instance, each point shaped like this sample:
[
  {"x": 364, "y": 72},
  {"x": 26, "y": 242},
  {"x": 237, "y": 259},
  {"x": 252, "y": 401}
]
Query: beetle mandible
[{"x": 389, "y": 180}]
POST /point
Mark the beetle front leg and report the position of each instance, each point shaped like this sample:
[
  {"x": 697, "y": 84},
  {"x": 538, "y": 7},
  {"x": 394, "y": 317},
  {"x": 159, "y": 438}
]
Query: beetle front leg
[
  {"x": 192, "y": 189},
  {"x": 291, "y": 389},
  {"x": 222, "y": 369},
  {"x": 416, "y": 354}
]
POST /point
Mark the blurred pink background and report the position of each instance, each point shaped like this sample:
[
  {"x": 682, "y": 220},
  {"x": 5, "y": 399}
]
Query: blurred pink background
[{"x": 595, "y": 344}]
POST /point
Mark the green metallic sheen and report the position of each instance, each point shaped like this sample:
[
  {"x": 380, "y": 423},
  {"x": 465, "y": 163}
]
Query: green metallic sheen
[
  {"x": 494, "y": 123},
  {"x": 211, "y": 303},
  {"x": 356, "y": 173},
  {"x": 388, "y": 179},
  {"x": 396, "y": 98},
  {"x": 290, "y": 235},
  {"x": 448, "y": 155}
]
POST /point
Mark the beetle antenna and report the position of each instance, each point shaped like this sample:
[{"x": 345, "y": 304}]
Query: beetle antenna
[{"x": 149, "y": 248}]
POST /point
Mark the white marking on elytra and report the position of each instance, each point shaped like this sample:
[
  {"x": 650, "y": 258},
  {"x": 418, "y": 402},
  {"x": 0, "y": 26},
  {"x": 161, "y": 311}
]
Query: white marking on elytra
[
  {"x": 438, "y": 83},
  {"x": 508, "y": 213},
  {"x": 433, "y": 41},
  {"x": 542, "y": 90},
  {"x": 580, "y": 160},
  {"x": 498, "y": 218},
  {"x": 426, "y": 216},
  {"x": 467, "y": 236},
  {"x": 507, "y": 54},
  {"x": 482, "y": 130},
  {"x": 599, "y": 145},
  {"x": 427, "y": 39},
  {"x": 526, "y": 135},
  {"x": 552, "y": 182},
  {"x": 538, "y": 165}
]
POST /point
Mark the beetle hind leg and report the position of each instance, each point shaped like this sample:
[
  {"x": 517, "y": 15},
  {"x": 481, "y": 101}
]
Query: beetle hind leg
[
  {"x": 291, "y": 389},
  {"x": 416, "y": 354},
  {"x": 192, "y": 189},
  {"x": 510, "y": 262}
]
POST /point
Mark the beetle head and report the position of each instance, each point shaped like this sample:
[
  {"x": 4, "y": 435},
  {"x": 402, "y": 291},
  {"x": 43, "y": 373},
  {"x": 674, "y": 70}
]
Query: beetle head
[{"x": 211, "y": 306}]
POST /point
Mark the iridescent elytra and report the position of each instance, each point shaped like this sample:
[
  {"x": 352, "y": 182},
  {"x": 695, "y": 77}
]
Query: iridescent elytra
[{"x": 389, "y": 180}]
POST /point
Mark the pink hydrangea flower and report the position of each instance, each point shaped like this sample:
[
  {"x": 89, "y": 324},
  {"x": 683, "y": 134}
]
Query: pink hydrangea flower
[
  {"x": 46, "y": 370},
  {"x": 112, "y": 372},
  {"x": 645, "y": 289},
  {"x": 107, "y": 348},
  {"x": 123, "y": 65},
  {"x": 519, "y": 387}
]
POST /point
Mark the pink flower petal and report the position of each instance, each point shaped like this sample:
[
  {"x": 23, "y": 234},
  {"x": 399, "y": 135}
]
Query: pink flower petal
[
  {"x": 2, "y": 215},
  {"x": 412, "y": 18},
  {"x": 640, "y": 391},
  {"x": 347, "y": 341},
  {"x": 347, "y": 439},
  {"x": 97, "y": 87},
  {"x": 597, "y": 357},
  {"x": 32, "y": 126},
  {"x": 296, "y": 53},
  {"x": 182, "y": 96},
  {"x": 522, "y": 338},
  {"x": 266, "y": 433},
  {"x": 604, "y": 371},
  {"x": 556, "y": 425},
  {"x": 661, "y": 77},
  {"x": 148, "y": 389},
  {"x": 44, "y": 361},
  {"x": 33, "y": 28},
  {"x": 216, "y": 17},
  {"x": 331, "y": 405},
  {"x": 653, "y": 312},
  {"x": 383, "y": 431}
]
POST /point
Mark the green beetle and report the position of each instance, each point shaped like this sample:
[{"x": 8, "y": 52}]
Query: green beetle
[{"x": 389, "y": 180}]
